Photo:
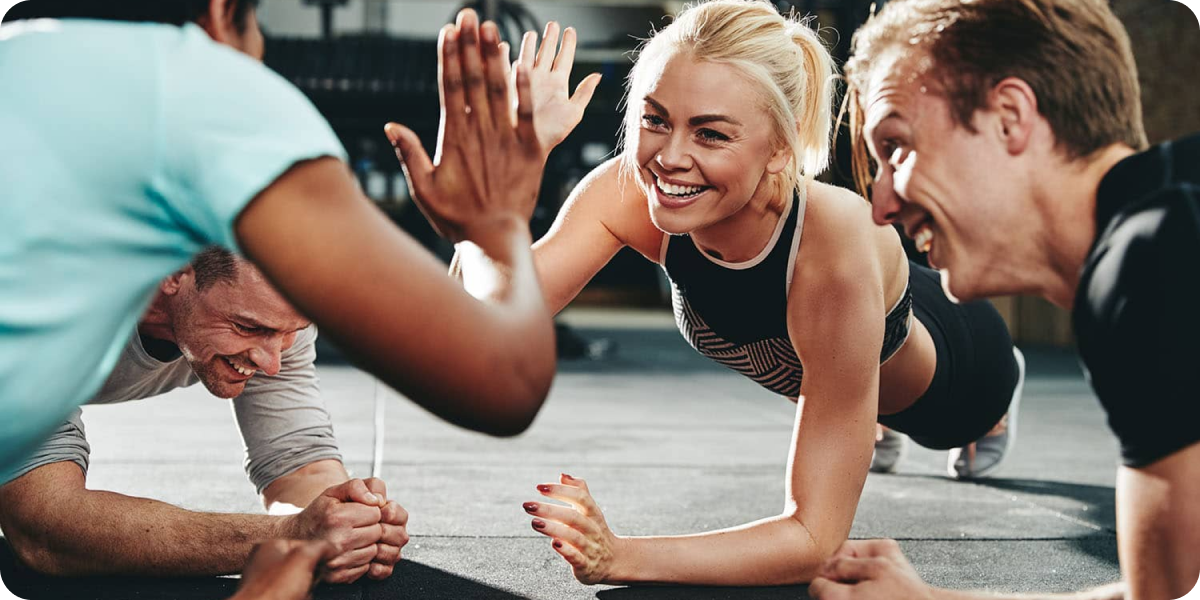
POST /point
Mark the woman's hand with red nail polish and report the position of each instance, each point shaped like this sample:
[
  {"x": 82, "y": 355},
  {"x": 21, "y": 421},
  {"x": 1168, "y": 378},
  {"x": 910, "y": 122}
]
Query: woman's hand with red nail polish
[{"x": 580, "y": 534}]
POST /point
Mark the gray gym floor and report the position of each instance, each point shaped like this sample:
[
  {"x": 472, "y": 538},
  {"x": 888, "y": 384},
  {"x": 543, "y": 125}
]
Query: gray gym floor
[{"x": 669, "y": 443}]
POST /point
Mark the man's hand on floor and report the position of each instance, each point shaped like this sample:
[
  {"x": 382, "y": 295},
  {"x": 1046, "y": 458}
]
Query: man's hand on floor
[
  {"x": 283, "y": 569},
  {"x": 393, "y": 522},
  {"x": 869, "y": 569},
  {"x": 350, "y": 517}
]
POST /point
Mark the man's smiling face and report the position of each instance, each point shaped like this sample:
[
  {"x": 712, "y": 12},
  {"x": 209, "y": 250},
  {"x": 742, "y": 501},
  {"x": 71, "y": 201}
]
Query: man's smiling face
[
  {"x": 946, "y": 185},
  {"x": 230, "y": 330}
]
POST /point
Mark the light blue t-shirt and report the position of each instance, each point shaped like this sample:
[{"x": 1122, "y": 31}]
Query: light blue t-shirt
[{"x": 124, "y": 149}]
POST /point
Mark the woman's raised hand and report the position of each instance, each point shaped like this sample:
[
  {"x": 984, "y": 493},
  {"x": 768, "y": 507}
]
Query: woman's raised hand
[
  {"x": 579, "y": 532},
  {"x": 488, "y": 165},
  {"x": 558, "y": 112}
]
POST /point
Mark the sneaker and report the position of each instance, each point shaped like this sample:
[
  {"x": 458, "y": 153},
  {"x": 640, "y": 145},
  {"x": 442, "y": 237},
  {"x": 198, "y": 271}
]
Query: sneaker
[
  {"x": 889, "y": 449},
  {"x": 990, "y": 450}
]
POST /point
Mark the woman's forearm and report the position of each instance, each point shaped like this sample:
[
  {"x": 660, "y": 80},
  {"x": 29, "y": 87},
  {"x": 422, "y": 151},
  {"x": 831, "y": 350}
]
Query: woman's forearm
[{"x": 774, "y": 551}]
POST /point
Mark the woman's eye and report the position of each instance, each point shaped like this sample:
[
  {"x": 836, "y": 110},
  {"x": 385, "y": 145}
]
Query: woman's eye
[
  {"x": 652, "y": 121},
  {"x": 709, "y": 135}
]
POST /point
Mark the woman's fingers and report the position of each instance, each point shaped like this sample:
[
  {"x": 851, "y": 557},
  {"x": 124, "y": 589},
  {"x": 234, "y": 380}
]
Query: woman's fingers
[
  {"x": 506, "y": 52},
  {"x": 566, "y": 515},
  {"x": 573, "y": 481},
  {"x": 473, "y": 77},
  {"x": 526, "y": 132},
  {"x": 575, "y": 495},
  {"x": 545, "y": 55},
  {"x": 570, "y": 494},
  {"x": 585, "y": 90},
  {"x": 559, "y": 531},
  {"x": 450, "y": 81},
  {"x": 528, "y": 54},
  {"x": 566, "y": 52},
  {"x": 495, "y": 69},
  {"x": 570, "y": 553}
]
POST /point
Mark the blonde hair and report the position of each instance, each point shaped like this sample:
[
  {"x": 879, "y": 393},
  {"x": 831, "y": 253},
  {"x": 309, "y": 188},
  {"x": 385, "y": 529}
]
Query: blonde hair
[{"x": 782, "y": 55}]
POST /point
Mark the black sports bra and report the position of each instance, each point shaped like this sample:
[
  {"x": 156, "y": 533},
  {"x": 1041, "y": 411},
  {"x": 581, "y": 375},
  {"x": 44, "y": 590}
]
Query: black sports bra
[{"x": 736, "y": 313}]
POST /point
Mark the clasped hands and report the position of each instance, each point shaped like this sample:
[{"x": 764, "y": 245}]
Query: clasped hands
[{"x": 364, "y": 529}]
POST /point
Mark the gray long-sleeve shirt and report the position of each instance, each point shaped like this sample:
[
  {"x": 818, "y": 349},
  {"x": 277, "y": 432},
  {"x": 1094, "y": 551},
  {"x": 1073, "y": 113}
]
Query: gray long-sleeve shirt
[{"x": 282, "y": 418}]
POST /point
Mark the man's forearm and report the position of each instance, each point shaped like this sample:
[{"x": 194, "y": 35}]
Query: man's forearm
[{"x": 137, "y": 536}]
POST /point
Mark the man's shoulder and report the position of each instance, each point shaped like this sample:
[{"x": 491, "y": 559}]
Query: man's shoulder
[
  {"x": 1139, "y": 283},
  {"x": 137, "y": 375},
  {"x": 1166, "y": 175}
]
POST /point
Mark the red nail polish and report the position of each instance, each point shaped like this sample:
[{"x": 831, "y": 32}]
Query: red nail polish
[
  {"x": 530, "y": 506},
  {"x": 565, "y": 476},
  {"x": 543, "y": 488},
  {"x": 539, "y": 524},
  {"x": 557, "y": 544}
]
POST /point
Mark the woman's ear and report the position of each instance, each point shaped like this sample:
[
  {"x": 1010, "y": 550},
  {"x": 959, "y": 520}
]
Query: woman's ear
[{"x": 779, "y": 160}]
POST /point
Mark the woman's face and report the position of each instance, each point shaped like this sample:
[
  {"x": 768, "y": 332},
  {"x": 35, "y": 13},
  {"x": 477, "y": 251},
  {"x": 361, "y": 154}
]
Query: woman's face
[{"x": 703, "y": 143}]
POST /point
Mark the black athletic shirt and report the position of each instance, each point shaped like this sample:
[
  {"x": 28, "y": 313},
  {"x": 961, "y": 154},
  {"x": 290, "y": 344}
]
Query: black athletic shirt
[
  {"x": 1137, "y": 309},
  {"x": 736, "y": 313}
]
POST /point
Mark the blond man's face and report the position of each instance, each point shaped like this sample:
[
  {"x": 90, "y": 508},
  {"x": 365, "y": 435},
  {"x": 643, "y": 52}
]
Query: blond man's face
[{"x": 945, "y": 185}]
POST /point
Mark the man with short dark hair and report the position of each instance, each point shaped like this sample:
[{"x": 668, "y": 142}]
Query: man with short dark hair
[
  {"x": 1009, "y": 144},
  {"x": 220, "y": 323}
]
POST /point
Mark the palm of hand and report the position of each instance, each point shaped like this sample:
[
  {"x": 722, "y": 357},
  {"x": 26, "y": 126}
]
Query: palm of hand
[
  {"x": 556, "y": 114},
  {"x": 557, "y": 110}
]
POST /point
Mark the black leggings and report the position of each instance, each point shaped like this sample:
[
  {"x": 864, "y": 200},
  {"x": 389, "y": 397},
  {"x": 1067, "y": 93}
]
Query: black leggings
[{"x": 976, "y": 372}]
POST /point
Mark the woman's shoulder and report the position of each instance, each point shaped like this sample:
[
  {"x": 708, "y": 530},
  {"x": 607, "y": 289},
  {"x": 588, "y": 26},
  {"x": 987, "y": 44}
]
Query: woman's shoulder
[
  {"x": 841, "y": 245},
  {"x": 836, "y": 217},
  {"x": 611, "y": 194},
  {"x": 610, "y": 181}
]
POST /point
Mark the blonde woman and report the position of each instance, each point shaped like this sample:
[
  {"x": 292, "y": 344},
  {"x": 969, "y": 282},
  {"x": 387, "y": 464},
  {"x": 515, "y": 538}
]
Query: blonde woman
[{"x": 782, "y": 278}]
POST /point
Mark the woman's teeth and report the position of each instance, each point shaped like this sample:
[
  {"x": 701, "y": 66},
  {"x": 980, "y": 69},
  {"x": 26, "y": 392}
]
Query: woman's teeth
[
  {"x": 239, "y": 369},
  {"x": 923, "y": 239},
  {"x": 678, "y": 190}
]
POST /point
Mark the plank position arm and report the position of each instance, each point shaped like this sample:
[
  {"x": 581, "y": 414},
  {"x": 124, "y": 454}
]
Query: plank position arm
[
  {"x": 829, "y": 461},
  {"x": 59, "y": 527},
  {"x": 838, "y": 338}
]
